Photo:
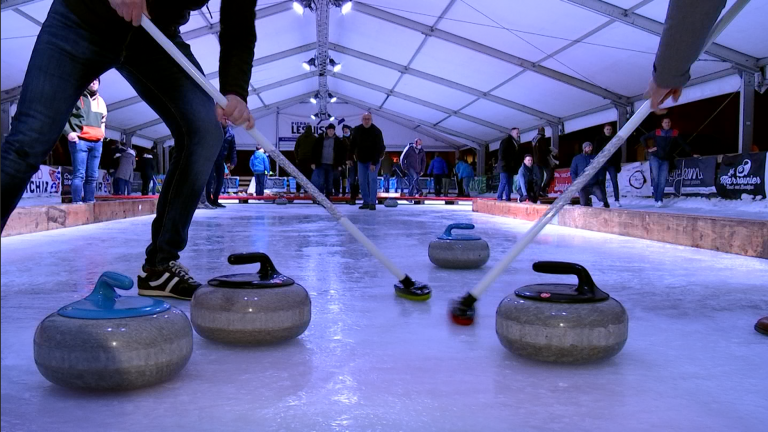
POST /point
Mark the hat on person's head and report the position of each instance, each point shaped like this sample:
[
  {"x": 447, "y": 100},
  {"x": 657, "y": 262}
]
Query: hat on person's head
[
  {"x": 347, "y": 127},
  {"x": 331, "y": 126},
  {"x": 584, "y": 146}
]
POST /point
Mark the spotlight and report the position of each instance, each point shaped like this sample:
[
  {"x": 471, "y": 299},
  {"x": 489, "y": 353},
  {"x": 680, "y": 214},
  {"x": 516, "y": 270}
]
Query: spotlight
[
  {"x": 309, "y": 63},
  {"x": 331, "y": 97},
  {"x": 314, "y": 98},
  {"x": 314, "y": 116},
  {"x": 346, "y": 8},
  {"x": 332, "y": 118},
  {"x": 341, "y": 121},
  {"x": 299, "y": 8},
  {"x": 336, "y": 66}
]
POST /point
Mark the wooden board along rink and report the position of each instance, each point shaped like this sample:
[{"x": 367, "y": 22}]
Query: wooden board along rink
[{"x": 746, "y": 237}]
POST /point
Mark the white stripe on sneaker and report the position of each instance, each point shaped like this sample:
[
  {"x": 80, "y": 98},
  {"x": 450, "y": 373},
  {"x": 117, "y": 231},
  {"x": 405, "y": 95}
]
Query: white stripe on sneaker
[
  {"x": 159, "y": 281},
  {"x": 170, "y": 285}
]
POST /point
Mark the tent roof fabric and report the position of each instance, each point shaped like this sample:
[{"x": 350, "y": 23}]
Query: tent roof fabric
[{"x": 460, "y": 71}]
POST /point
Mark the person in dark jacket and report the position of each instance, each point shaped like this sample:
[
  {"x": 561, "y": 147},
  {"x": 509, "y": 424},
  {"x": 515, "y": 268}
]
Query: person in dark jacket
[
  {"x": 227, "y": 157},
  {"x": 386, "y": 171},
  {"x": 414, "y": 162},
  {"x": 147, "y": 169},
  {"x": 662, "y": 146},
  {"x": 613, "y": 166},
  {"x": 368, "y": 149},
  {"x": 528, "y": 181},
  {"x": 509, "y": 163},
  {"x": 303, "y": 151},
  {"x": 439, "y": 169},
  {"x": 544, "y": 161},
  {"x": 592, "y": 187},
  {"x": 124, "y": 173},
  {"x": 401, "y": 178},
  {"x": 327, "y": 156},
  {"x": 108, "y": 36},
  {"x": 352, "y": 184}
]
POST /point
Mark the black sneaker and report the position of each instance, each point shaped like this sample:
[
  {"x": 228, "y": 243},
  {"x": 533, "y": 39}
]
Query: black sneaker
[
  {"x": 372, "y": 207},
  {"x": 364, "y": 207},
  {"x": 172, "y": 280},
  {"x": 218, "y": 204}
]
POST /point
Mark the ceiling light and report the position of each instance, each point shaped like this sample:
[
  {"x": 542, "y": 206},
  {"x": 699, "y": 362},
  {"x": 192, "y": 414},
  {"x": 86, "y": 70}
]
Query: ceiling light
[
  {"x": 299, "y": 8},
  {"x": 309, "y": 63},
  {"x": 313, "y": 100},
  {"x": 314, "y": 116},
  {"x": 346, "y": 8},
  {"x": 331, "y": 97},
  {"x": 335, "y": 66}
]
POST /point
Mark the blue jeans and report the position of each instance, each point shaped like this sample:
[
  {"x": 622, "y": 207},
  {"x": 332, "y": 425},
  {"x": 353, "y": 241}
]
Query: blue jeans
[
  {"x": 259, "y": 181},
  {"x": 368, "y": 181},
  {"x": 659, "y": 173},
  {"x": 413, "y": 179},
  {"x": 613, "y": 173},
  {"x": 85, "y": 169},
  {"x": 58, "y": 73},
  {"x": 215, "y": 181},
  {"x": 322, "y": 178},
  {"x": 122, "y": 186},
  {"x": 505, "y": 187},
  {"x": 386, "y": 177},
  {"x": 466, "y": 181}
]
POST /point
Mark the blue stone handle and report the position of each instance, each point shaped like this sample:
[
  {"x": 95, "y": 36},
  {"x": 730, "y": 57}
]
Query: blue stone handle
[
  {"x": 451, "y": 227},
  {"x": 104, "y": 291},
  {"x": 586, "y": 284}
]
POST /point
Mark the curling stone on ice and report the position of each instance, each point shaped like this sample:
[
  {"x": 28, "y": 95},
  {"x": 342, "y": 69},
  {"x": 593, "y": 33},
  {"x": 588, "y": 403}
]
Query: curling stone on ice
[
  {"x": 459, "y": 251},
  {"x": 562, "y": 323},
  {"x": 110, "y": 342},
  {"x": 390, "y": 202},
  {"x": 251, "y": 308},
  {"x": 281, "y": 201}
]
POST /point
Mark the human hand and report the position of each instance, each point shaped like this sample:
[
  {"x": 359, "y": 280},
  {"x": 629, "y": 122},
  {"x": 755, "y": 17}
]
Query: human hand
[
  {"x": 237, "y": 112},
  {"x": 349, "y": 163},
  {"x": 652, "y": 149},
  {"x": 72, "y": 136},
  {"x": 373, "y": 168},
  {"x": 130, "y": 10},
  {"x": 659, "y": 95},
  {"x": 313, "y": 166}
]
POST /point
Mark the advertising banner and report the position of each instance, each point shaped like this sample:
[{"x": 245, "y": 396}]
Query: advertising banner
[
  {"x": 560, "y": 182},
  {"x": 290, "y": 127},
  {"x": 103, "y": 182},
  {"x": 634, "y": 180},
  {"x": 695, "y": 175},
  {"x": 45, "y": 182},
  {"x": 741, "y": 174}
]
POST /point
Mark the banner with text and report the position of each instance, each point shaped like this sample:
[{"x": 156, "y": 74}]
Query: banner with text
[
  {"x": 45, "y": 182},
  {"x": 695, "y": 175},
  {"x": 741, "y": 174},
  {"x": 634, "y": 180},
  {"x": 291, "y": 126},
  {"x": 560, "y": 182},
  {"x": 103, "y": 182}
]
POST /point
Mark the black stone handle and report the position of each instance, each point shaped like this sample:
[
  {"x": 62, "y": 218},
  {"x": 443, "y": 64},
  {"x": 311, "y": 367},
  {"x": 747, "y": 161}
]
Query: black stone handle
[
  {"x": 586, "y": 286},
  {"x": 267, "y": 268}
]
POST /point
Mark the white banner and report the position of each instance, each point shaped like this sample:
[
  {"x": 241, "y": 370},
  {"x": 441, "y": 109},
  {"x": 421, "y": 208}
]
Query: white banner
[
  {"x": 45, "y": 182},
  {"x": 634, "y": 180},
  {"x": 291, "y": 126}
]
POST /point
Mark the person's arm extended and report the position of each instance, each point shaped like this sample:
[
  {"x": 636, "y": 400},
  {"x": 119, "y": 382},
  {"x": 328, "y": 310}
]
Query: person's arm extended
[
  {"x": 237, "y": 40},
  {"x": 521, "y": 181},
  {"x": 574, "y": 169}
]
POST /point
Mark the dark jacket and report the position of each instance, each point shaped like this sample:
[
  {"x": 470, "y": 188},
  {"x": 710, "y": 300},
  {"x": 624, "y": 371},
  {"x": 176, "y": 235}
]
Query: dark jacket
[
  {"x": 414, "y": 159},
  {"x": 367, "y": 144},
  {"x": 339, "y": 155},
  {"x": 510, "y": 158},
  {"x": 305, "y": 145},
  {"x": 237, "y": 37},
  {"x": 438, "y": 166},
  {"x": 580, "y": 163},
  {"x": 600, "y": 143},
  {"x": 147, "y": 165},
  {"x": 228, "y": 152},
  {"x": 386, "y": 165},
  {"x": 667, "y": 143},
  {"x": 525, "y": 180}
]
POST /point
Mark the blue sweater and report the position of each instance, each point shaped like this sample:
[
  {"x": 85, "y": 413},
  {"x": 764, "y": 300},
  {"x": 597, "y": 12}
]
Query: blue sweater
[
  {"x": 438, "y": 166},
  {"x": 259, "y": 163},
  {"x": 463, "y": 170}
]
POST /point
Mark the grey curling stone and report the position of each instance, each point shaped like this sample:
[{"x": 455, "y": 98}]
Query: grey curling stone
[
  {"x": 562, "y": 323},
  {"x": 390, "y": 202},
  {"x": 459, "y": 251},
  {"x": 281, "y": 201},
  {"x": 251, "y": 308},
  {"x": 110, "y": 342}
]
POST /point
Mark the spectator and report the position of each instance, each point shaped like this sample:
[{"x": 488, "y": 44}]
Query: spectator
[
  {"x": 528, "y": 181},
  {"x": 661, "y": 152},
  {"x": 368, "y": 149},
  {"x": 124, "y": 174},
  {"x": 327, "y": 157},
  {"x": 439, "y": 169},
  {"x": 147, "y": 170},
  {"x": 85, "y": 133},
  {"x": 544, "y": 162},
  {"x": 303, "y": 152},
  {"x": 386, "y": 171},
  {"x": 414, "y": 162},
  {"x": 352, "y": 184},
  {"x": 400, "y": 177},
  {"x": 259, "y": 164},
  {"x": 464, "y": 174},
  {"x": 227, "y": 158},
  {"x": 593, "y": 186},
  {"x": 613, "y": 166},
  {"x": 509, "y": 163}
]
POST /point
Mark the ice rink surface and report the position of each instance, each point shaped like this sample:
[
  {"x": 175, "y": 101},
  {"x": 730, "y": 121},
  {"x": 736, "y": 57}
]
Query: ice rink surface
[{"x": 371, "y": 361}]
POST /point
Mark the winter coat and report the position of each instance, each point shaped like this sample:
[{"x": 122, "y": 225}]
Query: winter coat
[
  {"x": 305, "y": 145},
  {"x": 127, "y": 164},
  {"x": 438, "y": 166},
  {"x": 339, "y": 153},
  {"x": 228, "y": 152},
  {"x": 259, "y": 163},
  {"x": 147, "y": 165},
  {"x": 667, "y": 143},
  {"x": 525, "y": 177},
  {"x": 367, "y": 144},
  {"x": 463, "y": 170},
  {"x": 580, "y": 163},
  {"x": 88, "y": 118},
  {"x": 600, "y": 143},
  {"x": 510, "y": 158},
  {"x": 414, "y": 159}
]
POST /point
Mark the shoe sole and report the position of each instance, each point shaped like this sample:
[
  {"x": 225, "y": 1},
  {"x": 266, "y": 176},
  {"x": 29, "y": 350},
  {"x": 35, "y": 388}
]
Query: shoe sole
[
  {"x": 154, "y": 293},
  {"x": 760, "y": 330}
]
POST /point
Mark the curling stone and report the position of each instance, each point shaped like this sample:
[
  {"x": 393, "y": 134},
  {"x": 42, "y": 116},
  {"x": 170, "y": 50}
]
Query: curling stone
[
  {"x": 390, "y": 202},
  {"x": 281, "y": 201},
  {"x": 459, "y": 251},
  {"x": 251, "y": 308},
  {"x": 109, "y": 342},
  {"x": 562, "y": 323}
]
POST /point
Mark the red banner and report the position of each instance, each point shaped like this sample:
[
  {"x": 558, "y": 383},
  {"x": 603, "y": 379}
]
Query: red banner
[{"x": 561, "y": 181}]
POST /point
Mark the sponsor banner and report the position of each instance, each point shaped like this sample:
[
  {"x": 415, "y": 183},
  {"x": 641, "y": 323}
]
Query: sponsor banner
[
  {"x": 103, "y": 182},
  {"x": 290, "y": 127},
  {"x": 741, "y": 174},
  {"x": 692, "y": 176},
  {"x": 634, "y": 180},
  {"x": 560, "y": 181},
  {"x": 45, "y": 182}
]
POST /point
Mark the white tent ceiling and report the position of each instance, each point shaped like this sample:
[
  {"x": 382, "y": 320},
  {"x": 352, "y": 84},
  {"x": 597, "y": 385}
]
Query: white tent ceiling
[{"x": 462, "y": 71}]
